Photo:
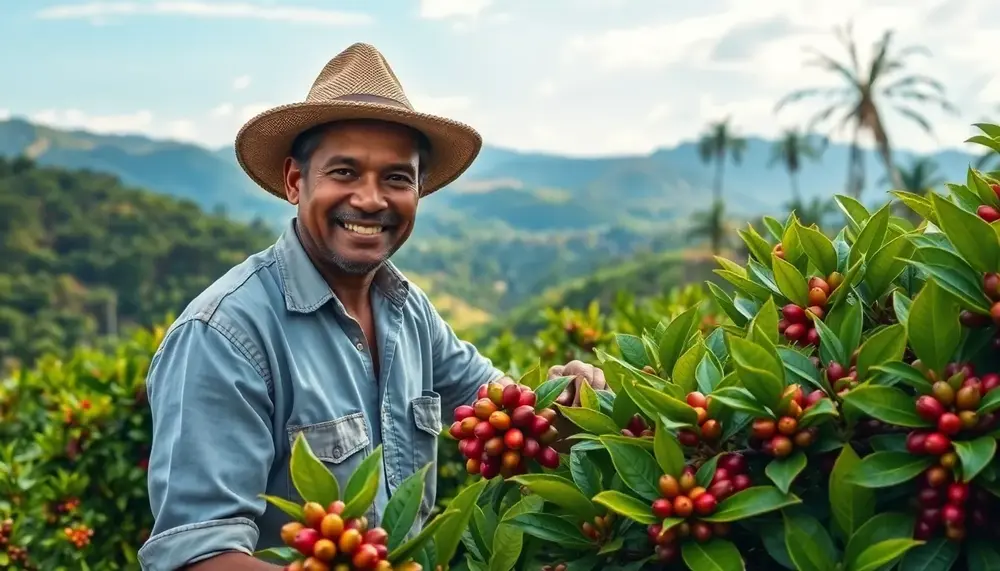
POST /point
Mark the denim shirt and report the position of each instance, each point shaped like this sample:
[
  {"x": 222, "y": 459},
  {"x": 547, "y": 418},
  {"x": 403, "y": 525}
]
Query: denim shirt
[{"x": 267, "y": 352}]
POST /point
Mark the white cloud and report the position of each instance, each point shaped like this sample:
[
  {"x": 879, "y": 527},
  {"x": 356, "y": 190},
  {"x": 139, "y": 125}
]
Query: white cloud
[
  {"x": 242, "y": 82},
  {"x": 99, "y": 12},
  {"x": 137, "y": 122},
  {"x": 4, "y": 114},
  {"x": 441, "y": 9},
  {"x": 223, "y": 110}
]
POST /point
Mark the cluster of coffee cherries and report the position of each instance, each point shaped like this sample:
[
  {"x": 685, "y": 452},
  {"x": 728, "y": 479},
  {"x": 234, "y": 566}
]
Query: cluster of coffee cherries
[
  {"x": 987, "y": 212},
  {"x": 684, "y": 498},
  {"x": 842, "y": 378},
  {"x": 638, "y": 427},
  {"x": 79, "y": 535},
  {"x": 951, "y": 406},
  {"x": 948, "y": 506},
  {"x": 708, "y": 430},
  {"x": 796, "y": 322},
  {"x": 780, "y": 438},
  {"x": 600, "y": 528},
  {"x": 329, "y": 541},
  {"x": 501, "y": 430},
  {"x": 556, "y": 567},
  {"x": 15, "y": 553}
]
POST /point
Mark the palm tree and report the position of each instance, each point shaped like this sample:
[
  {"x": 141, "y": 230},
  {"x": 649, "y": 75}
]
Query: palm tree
[
  {"x": 815, "y": 211},
  {"x": 919, "y": 177},
  {"x": 790, "y": 150},
  {"x": 715, "y": 145},
  {"x": 865, "y": 95},
  {"x": 711, "y": 224}
]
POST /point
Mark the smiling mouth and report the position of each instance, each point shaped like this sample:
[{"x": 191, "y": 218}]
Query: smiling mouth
[{"x": 361, "y": 229}]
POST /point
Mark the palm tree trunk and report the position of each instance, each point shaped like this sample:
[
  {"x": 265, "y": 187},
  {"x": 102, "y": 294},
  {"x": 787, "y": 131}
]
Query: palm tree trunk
[
  {"x": 719, "y": 167},
  {"x": 885, "y": 152},
  {"x": 796, "y": 197}
]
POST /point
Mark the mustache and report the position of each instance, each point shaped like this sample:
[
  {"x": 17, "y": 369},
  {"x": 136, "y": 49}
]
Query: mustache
[{"x": 355, "y": 216}]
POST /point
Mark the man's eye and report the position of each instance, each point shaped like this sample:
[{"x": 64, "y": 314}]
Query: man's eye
[
  {"x": 400, "y": 178},
  {"x": 342, "y": 172}
]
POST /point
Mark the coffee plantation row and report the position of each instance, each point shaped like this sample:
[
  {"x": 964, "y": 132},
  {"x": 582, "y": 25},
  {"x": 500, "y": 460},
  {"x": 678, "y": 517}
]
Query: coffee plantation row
[{"x": 842, "y": 416}]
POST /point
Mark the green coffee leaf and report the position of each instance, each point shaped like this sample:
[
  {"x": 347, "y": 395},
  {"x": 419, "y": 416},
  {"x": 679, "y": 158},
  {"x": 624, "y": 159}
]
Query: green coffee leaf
[
  {"x": 363, "y": 485},
  {"x": 851, "y": 505},
  {"x": 824, "y": 409},
  {"x": 883, "y": 526},
  {"x": 751, "y": 502},
  {"x": 955, "y": 280},
  {"x": 684, "y": 372},
  {"x": 759, "y": 371},
  {"x": 533, "y": 376},
  {"x": 592, "y": 421},
  {"x": 589, "y": 398},
  {"x": 791, "y": 283},
  {"x": 708, "y": 374},
  {"x": 783, "y": 471},
  {"x": 974, "y": 455},
  {"x": 585, "y": 473},
  {"x": 623, "y": 408},
  {"x": 549, "y": 527},
  {"x": 888, "y": 404},
  {"x": 625, "y": 505},
  {"x": 916, "y": 203},
  {"x": 450, "y": 535},
  {"x": 855, "y": 212},
  {"x": 990, "y": 402},
  {"x": 635, "y": 466},
  {"x": 976, "y": 182},
  {"x": 830, "y": 347},
  {"x": 763, "y": 328},
  {"x": 901, "y": 306},
  {"x": 847, "y": 321},
  {"x": 676, "y": 336},
  {"x": 756, "y": 244},
  {"x": 403, "y": 506},
  {"x": 799, "y": 368},
  {"x": 427, "y": 534},
  {"x": 886, "y": 264},
  {"x": 738, "y": 398},
  {"x": 905, "y": 373},
  {"x": 705, "y": 474},
  {"x": 276, "y": 554},
  {"x": 981, "y": 556},
  {"x": 292, "y": 509},
  {"x": 884, "y": 469},
  {"x": 549, "y": 391},
  {"x": 938, "y": 553},
  {"x": 933, "y": 327},
  {"x": 713, "y": 555},
  {"x": 660, "y": 403},
  {"x": 726, "y": 304},
  {"x": 668, "y": 452},
  {"x": 888, "y": 344},
  {"x": 872, "y": 235},
  {"x": 312, "y": 479},
  {"x": 882, "y": 553},
  {"x": 559, "y": 491},
  {"x": 509, "y": 539},
  {"x": 632, "y": 350},
  {"x": 808, "y": 544},
  {"x": 972, "y": 236},
  {"x": 751, "y": 289},
  {"x": 818, "y": 248}
]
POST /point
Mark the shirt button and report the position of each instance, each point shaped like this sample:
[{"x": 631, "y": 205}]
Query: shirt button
[
  {"x": 360, "y": 347},
  {"x": 336, "y": 452}
]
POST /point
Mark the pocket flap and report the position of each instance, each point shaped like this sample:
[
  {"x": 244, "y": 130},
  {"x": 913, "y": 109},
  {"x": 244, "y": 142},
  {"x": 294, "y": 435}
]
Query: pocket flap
[
  {"x": 427, "y": 412},
  {"x": 334, "y": 440}
]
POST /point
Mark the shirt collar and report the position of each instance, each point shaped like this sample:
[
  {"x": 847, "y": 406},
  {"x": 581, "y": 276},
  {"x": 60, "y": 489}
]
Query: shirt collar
[{"x": 304, "y": 287}]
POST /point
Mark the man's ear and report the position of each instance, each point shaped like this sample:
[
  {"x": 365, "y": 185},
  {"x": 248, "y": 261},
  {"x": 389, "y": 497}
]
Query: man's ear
[{"x": 294, "y": 178}]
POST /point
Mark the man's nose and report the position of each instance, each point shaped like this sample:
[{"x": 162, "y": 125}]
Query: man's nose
[{"x": 368, "y": 195}]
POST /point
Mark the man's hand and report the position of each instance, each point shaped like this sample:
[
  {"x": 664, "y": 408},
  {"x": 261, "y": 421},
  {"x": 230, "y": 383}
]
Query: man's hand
[{"x": 582, "y": 373}]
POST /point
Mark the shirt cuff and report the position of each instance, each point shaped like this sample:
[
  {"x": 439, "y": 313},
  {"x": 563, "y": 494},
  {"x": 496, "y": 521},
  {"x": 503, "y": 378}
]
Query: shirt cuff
[{"x": 181, "y": 546}]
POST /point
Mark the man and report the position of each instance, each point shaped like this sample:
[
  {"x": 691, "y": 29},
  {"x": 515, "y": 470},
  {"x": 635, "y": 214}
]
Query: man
[{"x": 319, "y": 334}]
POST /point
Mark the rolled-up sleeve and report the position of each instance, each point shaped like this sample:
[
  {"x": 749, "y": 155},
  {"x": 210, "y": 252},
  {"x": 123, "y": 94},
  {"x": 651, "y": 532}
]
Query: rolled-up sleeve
[
  {"x": 459, "y": 368},
  {"x": 212, "y": 446}
]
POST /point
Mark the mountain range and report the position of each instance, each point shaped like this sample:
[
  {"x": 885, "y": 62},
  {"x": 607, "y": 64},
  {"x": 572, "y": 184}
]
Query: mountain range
[{"x": 515, "y": 223}]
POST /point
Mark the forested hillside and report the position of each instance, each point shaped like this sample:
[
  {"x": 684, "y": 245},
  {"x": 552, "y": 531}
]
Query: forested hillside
[{"x": 82, "y": 255}]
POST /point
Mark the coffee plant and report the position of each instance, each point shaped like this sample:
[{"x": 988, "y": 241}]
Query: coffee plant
[{"x": 844, "y": 419}]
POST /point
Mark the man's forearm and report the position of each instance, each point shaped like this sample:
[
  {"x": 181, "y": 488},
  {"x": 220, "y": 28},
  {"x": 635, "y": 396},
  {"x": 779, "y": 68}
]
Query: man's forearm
[{"x": 233, "y": 562}]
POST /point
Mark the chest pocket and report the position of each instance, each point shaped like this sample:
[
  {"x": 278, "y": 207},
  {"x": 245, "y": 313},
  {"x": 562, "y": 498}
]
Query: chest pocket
[
  {"x": 427, "y": 421},
  {"x": 341, "y": 445}
]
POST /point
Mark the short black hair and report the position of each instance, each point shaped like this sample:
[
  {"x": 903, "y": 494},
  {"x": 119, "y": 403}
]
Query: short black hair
[{"x": 306, "y": 143}]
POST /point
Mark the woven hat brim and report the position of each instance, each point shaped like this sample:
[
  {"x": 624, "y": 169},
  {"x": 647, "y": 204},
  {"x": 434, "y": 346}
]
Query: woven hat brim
[{"x": 265, "y": 140}]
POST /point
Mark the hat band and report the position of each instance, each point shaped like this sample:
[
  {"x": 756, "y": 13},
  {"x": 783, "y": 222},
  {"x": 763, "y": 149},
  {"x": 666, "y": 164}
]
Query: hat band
[{"x": 366, "y": 98}]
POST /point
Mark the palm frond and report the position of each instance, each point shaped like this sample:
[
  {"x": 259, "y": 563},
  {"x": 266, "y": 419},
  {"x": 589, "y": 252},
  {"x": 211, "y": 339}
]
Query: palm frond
[
  {"x": 916, "y": 118},
  {"x": 911, "y": 81},
  {"x": 826, "y": 62}
]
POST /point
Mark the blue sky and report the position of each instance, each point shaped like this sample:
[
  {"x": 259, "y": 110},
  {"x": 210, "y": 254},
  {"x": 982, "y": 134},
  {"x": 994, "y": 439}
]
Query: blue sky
[{"x": 581, "y": 77}]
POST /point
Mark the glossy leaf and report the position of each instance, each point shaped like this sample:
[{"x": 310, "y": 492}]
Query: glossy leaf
[
  {"x": 363, "y": 485},
  {"x": 817, "y": 413},
  {"x": 738, "y": 398},
  {"x": 759, "y": 371},
  {"x": 636, "y": 467},
  {"x": 887, "y": 525},
  {"x": 549, "y": 527},
  {"x": 850, "y": 505},
  {"x": 589, "y": 398},
  {"x": 674, "y": 339},
  {"x": 715, "y": 555},
  {"x": 972, "y": 236},
  {"x": 818, "y": 248},
  {"x": 905, "y": 373},
  {"x": 937, "y": 554},
  {"x": 509, "y": 539},
  {"x": 312, "y": 479},
  {"x": 790, "y": 281},
  {"x": 446, "y": 542},
  {"x": 884, "y": 469},
  {"x": 661, "y": 403},
  {"x": 592, "y": 421},
  {"x": 667, "y": 451},
  {"x": 585, "y": 473},
  {"x": 428, "y": 533},
  {"x": 888, "y": 344},
  {"x": 888, "y": 404},
  {"x": 750, "y": 502},
  {"x": 974, "y": 455},
  {"x": 549, "y": 391},
  {"x": 632, "y": 350},
  {"x": 625, "y": 505},
  {"x": 291, "y": 509},
  {"x": 883, "y": 553},
  {"x": 683, "y": 373},
  {"x": 559, "y": 491},
  {"x": 403, "y": 506},
  {"x": 808, "y": 544},
  {"x": 783, "y": 471},
  {"x": 933, "y": 327}
]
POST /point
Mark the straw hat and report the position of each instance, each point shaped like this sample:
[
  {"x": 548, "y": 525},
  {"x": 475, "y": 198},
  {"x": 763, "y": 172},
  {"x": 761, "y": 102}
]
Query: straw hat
[{"x": 356, "y": 84}]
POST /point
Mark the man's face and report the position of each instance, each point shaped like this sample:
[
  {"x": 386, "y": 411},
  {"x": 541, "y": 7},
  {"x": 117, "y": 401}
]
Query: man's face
[{"x": 357, "y": 199}]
